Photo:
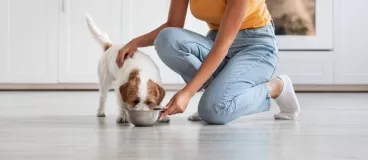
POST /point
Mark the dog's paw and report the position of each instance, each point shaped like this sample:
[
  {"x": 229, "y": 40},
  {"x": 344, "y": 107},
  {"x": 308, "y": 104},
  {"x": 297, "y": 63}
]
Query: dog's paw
[
  {"x": 101, "y": 114},
  {"x": 121, "y": 119},
  {"x": 165, "y": 120}
]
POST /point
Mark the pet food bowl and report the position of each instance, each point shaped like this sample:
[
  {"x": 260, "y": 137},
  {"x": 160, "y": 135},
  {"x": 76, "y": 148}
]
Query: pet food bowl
[{"x": 141, "y": 118}]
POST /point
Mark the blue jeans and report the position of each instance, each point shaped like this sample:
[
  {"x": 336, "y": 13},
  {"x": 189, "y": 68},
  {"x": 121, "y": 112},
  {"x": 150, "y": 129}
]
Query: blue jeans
[{"x": 237, "y": 88}]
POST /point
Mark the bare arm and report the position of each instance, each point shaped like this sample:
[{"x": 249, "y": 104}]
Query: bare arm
[
  {"x": 233, "y": 17},
  {"x": 229, "y": 27}
]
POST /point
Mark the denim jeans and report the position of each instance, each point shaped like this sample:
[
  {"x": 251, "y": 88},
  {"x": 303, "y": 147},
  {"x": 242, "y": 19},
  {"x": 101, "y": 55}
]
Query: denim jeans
[{"x": 237, "y": 88}]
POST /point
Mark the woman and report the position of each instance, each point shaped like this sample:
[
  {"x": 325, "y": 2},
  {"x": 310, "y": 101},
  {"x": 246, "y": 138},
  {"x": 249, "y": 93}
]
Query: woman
[{"x": 233, "y": 63}]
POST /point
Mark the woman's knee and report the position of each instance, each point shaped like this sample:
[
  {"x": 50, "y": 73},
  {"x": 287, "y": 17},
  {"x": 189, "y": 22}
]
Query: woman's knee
[
  {"x": 211, "y": 110},
  {"x": 166, "y": 40}
]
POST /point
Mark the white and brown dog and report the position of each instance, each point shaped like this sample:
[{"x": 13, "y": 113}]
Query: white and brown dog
[{"x": 137, "y": 81}]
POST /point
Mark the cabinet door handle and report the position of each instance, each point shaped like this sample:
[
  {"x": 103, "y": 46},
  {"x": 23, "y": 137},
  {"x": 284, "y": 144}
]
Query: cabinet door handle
[{"x": 63, "y": 6}]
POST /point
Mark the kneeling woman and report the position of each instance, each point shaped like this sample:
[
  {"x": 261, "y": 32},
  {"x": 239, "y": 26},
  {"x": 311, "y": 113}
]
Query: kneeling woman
[{"x": 233, "y": 63}]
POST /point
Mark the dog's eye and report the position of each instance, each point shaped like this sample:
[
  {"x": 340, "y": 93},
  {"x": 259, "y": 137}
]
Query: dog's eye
[
  {"x": 148, "y": 102},
  {"x": 135, "y": 102}
]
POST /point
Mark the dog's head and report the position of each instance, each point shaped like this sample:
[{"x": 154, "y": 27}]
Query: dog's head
[{"x": 141, "y": 94}]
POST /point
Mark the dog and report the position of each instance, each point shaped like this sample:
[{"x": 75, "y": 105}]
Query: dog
[{"x": 138, "y": 81}]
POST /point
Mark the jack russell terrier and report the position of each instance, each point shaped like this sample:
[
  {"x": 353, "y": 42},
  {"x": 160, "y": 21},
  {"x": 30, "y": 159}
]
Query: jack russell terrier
[{"x": 137, "y": 81}]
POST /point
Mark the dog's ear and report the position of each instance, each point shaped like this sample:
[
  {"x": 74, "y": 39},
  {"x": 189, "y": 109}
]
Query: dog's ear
[
  {"x": 160, "y": 94},
  {"x": 129, "y": 90},
  {"x": 155, "y": 92},
  {"x": 124, "y": 91}
]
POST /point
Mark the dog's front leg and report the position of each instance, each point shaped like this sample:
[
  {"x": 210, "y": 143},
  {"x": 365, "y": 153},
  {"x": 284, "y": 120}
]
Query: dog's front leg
[{"x": 122, "y": 118}]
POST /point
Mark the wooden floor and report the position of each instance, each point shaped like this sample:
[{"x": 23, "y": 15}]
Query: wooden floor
[{"x": 62, "y": 125}]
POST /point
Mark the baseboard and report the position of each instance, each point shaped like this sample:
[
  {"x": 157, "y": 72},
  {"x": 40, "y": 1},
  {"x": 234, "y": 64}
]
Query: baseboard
[
  {"x": 331, "y": 88},
  {"x": 65, "y": 86},
  {"x": 171, "y": 87}
]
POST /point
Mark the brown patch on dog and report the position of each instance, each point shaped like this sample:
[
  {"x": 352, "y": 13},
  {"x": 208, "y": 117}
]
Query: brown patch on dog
[
  {"x": 107, "y": 46},
  {"x": 155, "y": 94},
  {"x": 129, "y": 90}
]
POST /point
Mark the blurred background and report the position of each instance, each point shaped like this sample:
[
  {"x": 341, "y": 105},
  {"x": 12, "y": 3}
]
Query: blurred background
[{"x": 45, "y": 45}]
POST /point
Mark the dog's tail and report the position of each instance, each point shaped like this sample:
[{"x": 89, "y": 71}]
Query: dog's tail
[{"x": 100, "y": 36}]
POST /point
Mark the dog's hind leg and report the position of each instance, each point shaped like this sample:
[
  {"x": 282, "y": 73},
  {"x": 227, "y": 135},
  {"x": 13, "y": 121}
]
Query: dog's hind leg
[{"x": 105, "y": 81}]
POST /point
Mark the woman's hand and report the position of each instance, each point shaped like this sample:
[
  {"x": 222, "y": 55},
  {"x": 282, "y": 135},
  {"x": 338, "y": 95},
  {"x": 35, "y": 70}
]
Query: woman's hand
[
  {"x": 125, "y": 52},
  {"x": 178, "y": 103}
]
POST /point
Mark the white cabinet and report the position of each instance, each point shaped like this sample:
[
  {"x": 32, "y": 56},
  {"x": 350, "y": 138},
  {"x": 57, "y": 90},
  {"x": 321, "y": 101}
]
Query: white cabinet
[
  {"x": 78, "y": 52},
  {"x": 306, "y": 67},
  {"x": 28, "y": 41},
  {"x": 351, "y": 39},
  {"x": 122, "y": 20},
  {"x": 140, "y": 17}
]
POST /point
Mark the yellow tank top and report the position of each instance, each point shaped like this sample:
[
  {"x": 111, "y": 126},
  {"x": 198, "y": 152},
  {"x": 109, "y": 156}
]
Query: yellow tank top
[{"x": 212, "y": 11}]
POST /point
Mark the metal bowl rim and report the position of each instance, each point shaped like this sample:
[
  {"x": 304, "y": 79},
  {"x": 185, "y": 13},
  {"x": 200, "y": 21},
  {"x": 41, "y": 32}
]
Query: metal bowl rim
[{"x": 144, "y": 110}]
